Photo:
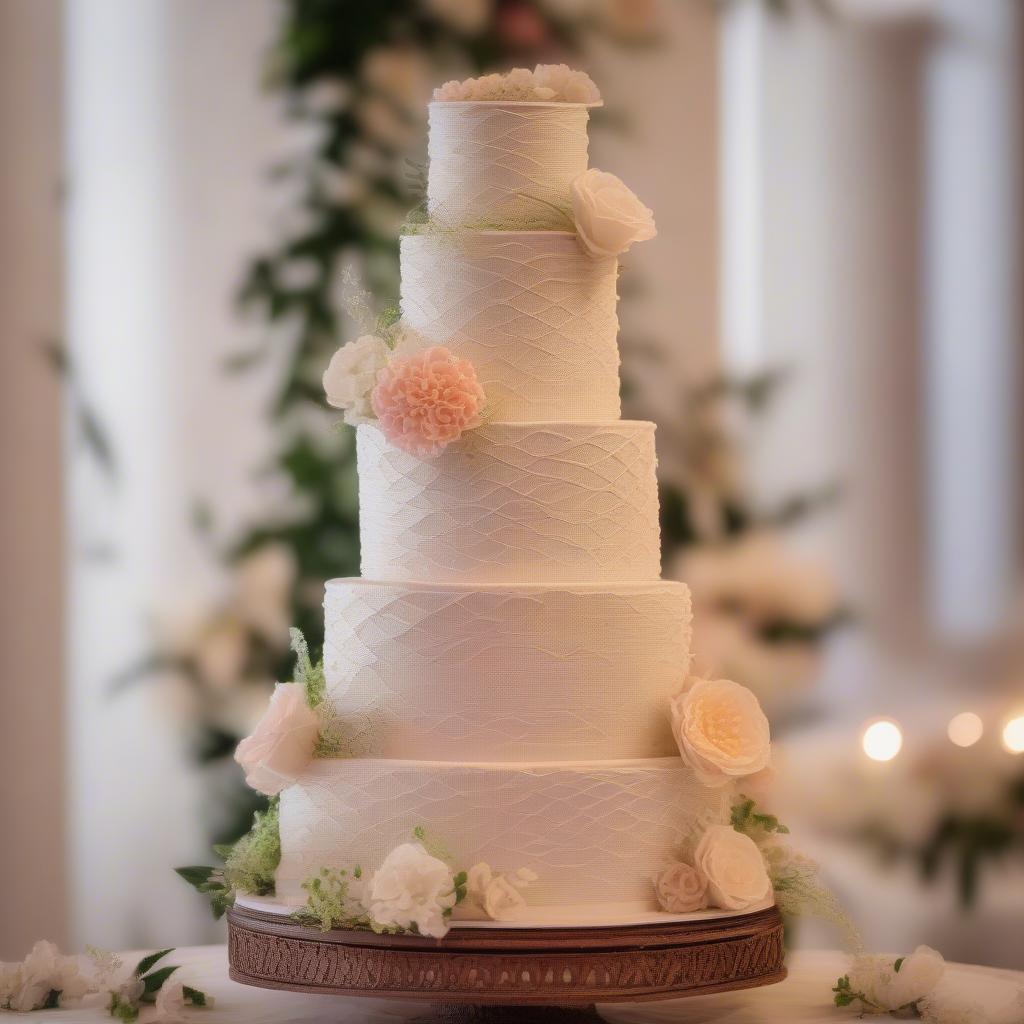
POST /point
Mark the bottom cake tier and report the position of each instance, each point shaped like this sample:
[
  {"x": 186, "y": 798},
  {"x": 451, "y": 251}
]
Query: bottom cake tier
[{"x": 594, "y": 832}]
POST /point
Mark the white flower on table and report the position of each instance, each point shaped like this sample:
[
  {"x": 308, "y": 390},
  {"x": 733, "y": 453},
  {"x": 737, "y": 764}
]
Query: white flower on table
[
  {"x": 721, "y": 730},
  {"x": 171, "y": 1004},
  {"x": 609, "y": 217},
  {"x": 282, "y": 743},
  {"x": 681, "y": 888},
  {"x": 27, "y": 986},
  {"x": 733, "y": 867},
  {"x": 412, "y": 890},
  {"x": 351, "y": 375},
  {"x": 890, "y": 983}
]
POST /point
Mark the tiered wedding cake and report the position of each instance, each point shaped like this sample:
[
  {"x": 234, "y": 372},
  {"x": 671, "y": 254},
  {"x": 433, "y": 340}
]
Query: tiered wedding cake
[{"x": 510, "y": 673}]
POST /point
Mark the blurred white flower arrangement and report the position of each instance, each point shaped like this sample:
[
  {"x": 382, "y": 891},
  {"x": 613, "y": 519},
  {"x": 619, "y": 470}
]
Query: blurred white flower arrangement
[{"x": 761, "y": 610}]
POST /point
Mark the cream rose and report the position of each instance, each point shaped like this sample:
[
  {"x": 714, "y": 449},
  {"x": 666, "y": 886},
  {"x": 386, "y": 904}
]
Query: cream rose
[
  {"x": 609, "y": 217},
  {"x": 733, "y": 867},
  {"x": 502, "y": 901},
  {"x": 721, "y": 730},
  {"x": 497, "y": 896},
  {"x": 351, "y": 375},
  {"x": 681, "y": 888},
  {"x": 412, "y": 890},
  {"x": 282, "y": 743}
]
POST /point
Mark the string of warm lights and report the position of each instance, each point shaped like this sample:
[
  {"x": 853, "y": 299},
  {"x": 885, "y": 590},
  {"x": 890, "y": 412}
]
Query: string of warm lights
[{"x": 882, "y": 738}]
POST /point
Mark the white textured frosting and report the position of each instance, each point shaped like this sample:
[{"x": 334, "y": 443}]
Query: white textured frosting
[
  {"x": 505, "y": 673},
  {"x": 594, "y": 832},
  {"x": 504, "y": 164},
  {"x": 513, "y": 503},
  {"x": 533, "y": 313}
]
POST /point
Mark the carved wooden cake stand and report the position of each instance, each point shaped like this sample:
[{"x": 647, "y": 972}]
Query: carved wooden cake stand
[{"x": 494, "y": 974}]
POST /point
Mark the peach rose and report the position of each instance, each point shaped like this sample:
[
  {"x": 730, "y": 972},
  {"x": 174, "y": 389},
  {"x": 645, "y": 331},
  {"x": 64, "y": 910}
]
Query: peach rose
[
  {"x": 681, "y": 888},
  {"x": 733, "y": 867},
  {"x": 609, "y": 217},
  {"x": 426, "y": 400},
  {"x": 721, "y": 730},
  {"x": 282, "y": 743}
]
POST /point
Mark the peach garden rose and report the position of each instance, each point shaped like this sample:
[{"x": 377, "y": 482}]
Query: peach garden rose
[
  {"x": 282, "y": 743},
  {"x": 426, "y": 400},
  {"x": 721, "y": 730}
]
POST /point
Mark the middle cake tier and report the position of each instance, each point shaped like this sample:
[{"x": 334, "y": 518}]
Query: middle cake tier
[
  {"x": 513, "y": 503},
  {"x": 509, "y": 673}
]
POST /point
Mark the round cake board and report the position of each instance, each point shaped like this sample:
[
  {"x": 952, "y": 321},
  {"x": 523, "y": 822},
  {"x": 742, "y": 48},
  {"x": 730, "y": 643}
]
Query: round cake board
[{"x": 521, "y": 975}]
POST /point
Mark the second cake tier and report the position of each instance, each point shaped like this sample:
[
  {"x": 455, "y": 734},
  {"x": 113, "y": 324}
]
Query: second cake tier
[
  {"x": 450, "y": 673},
  {"x": 513, "y": 503},
  {"x": 533, "y": 313}
]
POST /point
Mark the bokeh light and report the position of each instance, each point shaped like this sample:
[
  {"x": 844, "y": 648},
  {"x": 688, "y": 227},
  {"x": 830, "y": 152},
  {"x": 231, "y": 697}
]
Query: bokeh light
[
  {"x": 1013, "y": 735},
  {"x": 965, "y": 729},
  {"x": 882, "y": 740}
]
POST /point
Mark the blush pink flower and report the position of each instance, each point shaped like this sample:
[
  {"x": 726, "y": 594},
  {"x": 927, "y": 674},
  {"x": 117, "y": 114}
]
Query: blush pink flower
[{"x": 426, "y": 400}]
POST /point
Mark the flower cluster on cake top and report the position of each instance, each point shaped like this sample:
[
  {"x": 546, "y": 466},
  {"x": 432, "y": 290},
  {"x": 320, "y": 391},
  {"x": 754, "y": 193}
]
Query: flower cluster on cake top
[{"x": 546, "y": 83}]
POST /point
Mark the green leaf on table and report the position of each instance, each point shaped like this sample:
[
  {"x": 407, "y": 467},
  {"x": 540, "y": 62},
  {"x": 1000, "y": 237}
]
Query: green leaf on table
[
  {"x": 149, "y": 962},
  {"x": 154, "y": 982},
  {"x": 193, "y": 995}
]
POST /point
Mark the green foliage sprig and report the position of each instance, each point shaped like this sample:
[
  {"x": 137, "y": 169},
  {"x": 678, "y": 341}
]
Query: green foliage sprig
[
  {"x": 747, "y": 819},
  {"x": 249, "y": 863},
  {"x": 329, "y": 903}
]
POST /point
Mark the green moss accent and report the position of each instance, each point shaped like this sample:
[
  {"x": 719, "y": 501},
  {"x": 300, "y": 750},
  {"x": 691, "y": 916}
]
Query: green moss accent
[{"x": 250, "y": 864}]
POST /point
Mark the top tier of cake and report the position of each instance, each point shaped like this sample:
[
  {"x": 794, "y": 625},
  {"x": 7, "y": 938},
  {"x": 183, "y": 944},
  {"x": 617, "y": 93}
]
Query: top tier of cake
[
  {"x": 498, "y": 278},
  {"x": 499, "y": 165}
]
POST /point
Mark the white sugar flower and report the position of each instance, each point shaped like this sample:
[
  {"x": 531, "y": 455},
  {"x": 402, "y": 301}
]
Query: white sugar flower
[
  {"x": 351, "y": 375},
  {"x": 412, "y": 890},
  {"x": 734, "y": 868},
  {"x": 681, "y": 888},
  {"x": 721, "y": 730},
  {"x": 556, "y": 83},
  {"x": 568, "y": 86},
  {"x": 451, "y": 92},
  {"x": 609, "y": 217},
  {"x": 282, "y": 743},
  {"x": 890, "y": 983}
]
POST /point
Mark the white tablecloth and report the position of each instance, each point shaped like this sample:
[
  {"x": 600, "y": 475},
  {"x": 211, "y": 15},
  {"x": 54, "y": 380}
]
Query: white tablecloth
[{"x": 803, "y": 998}]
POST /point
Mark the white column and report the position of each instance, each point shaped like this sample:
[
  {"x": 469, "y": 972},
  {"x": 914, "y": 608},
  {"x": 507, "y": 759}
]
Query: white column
[
  {"x": 168, "y": 136},
  {"x": 741, "y": 147},
  {"x": 972, "y": 328}
]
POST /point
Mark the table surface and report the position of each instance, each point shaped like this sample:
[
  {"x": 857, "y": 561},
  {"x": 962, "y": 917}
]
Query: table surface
[{"x": 803, "y": 998}]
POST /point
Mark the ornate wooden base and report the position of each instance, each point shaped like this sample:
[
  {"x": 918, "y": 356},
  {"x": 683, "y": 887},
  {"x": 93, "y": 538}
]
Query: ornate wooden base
[{"x": 488, "y": 975}]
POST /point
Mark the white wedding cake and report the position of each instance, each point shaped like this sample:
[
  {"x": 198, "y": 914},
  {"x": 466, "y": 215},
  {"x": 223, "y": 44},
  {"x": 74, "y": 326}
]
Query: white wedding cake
[{"x": 509, "y": 676}]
